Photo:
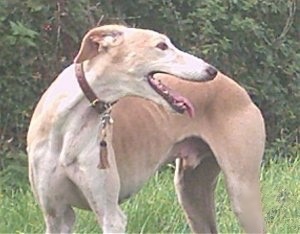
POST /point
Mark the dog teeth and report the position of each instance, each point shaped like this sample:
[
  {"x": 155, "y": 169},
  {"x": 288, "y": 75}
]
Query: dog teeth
[
  {"x": 179, "y": 104},
  {"x": 167, "y": 94}
]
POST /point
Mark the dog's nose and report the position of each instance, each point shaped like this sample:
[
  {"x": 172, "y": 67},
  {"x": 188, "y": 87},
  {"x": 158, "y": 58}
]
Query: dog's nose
[{"x": 212, "y": 72}]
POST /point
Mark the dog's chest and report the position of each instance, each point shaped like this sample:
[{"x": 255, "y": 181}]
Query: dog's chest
[{"x": 80, "y": 137}]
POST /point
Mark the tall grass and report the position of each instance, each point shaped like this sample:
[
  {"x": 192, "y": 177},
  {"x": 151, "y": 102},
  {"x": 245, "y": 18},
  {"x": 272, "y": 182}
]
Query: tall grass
[{"x": 155, "y": 208}]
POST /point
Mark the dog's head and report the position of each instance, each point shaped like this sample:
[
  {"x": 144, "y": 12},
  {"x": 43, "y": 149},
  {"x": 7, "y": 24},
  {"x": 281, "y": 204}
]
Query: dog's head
[{"x": 126, "y": 59}]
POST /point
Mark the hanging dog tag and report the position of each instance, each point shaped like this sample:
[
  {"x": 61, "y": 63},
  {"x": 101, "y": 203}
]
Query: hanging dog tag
[
  {"x": 103, "y": 161},
  {"x": 104, "y": 148}
]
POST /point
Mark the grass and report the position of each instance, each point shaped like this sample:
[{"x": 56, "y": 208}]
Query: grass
[{"x": 155, "y": 208}]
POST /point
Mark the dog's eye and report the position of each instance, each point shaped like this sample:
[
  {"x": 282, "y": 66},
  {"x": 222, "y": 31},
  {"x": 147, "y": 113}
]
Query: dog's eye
[{"x": 162, "y": 46}]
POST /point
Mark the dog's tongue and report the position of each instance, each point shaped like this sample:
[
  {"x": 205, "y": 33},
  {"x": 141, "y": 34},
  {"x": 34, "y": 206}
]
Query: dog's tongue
[
  {"x": 176, "y": 100},
  {"x": 181, "y": 103}
]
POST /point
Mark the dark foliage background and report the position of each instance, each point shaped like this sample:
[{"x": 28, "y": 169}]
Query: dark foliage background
[{"x": 256, "y": 42}]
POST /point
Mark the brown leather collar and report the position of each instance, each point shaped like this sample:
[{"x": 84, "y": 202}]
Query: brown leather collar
[{"x": 96, "y": 103}]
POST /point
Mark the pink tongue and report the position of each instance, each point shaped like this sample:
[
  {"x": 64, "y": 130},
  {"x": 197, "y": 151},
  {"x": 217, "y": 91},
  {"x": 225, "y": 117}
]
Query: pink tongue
[
  {"x": 176, "y": 97},
  {"x": 188, "y": 105}
]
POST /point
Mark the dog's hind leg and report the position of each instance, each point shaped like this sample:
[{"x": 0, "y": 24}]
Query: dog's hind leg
[
  {"x": 195, "y": 190},
  {"x": 242, "y": 182},
  {"x": 238, "y": 148}
]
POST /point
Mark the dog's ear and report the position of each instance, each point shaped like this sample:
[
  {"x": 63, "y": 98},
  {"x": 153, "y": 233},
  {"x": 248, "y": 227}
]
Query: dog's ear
[{"x": 96, "y": 40}]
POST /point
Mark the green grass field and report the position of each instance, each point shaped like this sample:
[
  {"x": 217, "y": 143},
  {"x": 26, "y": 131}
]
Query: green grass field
[{"x": 155, "y": 208}]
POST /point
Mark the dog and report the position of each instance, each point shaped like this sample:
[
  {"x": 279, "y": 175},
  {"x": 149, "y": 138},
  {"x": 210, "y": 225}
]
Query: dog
[{"x": 63, "y": 138}]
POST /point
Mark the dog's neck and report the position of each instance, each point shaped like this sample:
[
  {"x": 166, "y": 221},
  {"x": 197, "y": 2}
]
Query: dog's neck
[
  {"x": 107, "y": 83},
  {"x": 98, "y": 105},
  {"x": 70, "y": 98}
]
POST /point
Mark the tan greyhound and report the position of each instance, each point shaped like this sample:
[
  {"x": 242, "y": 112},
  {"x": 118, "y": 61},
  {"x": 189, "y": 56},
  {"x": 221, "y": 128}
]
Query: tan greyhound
[{"x": 226, "y": 132}]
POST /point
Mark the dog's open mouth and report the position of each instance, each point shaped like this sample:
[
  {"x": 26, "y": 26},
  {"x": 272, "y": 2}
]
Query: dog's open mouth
[{"x": 179, "y": 103}]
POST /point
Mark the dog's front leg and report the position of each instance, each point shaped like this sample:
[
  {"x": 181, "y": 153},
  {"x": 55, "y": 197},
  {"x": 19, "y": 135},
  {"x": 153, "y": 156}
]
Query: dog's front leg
[{"x": 101, "y": 189}]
